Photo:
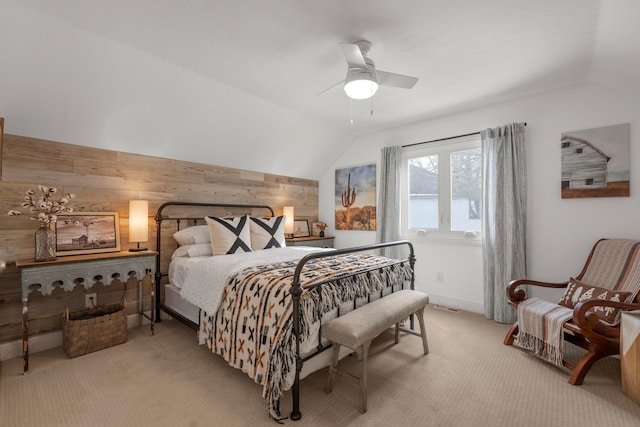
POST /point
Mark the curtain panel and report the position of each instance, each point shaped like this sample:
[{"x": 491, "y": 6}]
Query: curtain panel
[
  {"x": 388, "y": 217},
  {"x": 504, "y": 216}
]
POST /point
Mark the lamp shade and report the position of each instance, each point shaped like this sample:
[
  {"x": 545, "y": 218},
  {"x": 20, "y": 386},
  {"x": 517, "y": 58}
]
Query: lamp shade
[
  {"x": 287, "y": 211},
  {"x": 138, "y": 220},
  {"x": 360, "y": 85}
]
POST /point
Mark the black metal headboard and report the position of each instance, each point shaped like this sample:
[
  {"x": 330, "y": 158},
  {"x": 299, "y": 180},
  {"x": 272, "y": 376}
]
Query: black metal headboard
[{"x": 178, "y": 217}]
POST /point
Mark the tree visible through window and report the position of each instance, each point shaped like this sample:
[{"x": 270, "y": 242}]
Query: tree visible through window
[
  {"x": 423, "y": 183},
  {"x": 466, "y": 186}
]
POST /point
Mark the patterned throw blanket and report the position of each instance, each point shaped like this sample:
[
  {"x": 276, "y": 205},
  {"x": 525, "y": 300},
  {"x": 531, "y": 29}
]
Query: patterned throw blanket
[
  {"x": 540, "y": 328},
  {"x": 253, "y": 327}
]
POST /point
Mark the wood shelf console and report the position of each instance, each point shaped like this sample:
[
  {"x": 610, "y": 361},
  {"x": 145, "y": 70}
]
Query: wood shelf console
[
  {"x": 321, "y": 242},
  {"x": 86, "y": 270}
]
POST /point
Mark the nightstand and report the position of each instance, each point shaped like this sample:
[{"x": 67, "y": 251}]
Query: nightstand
[
  {"x": 320, "y": 242},
  {"x": 68, "y": 271}
]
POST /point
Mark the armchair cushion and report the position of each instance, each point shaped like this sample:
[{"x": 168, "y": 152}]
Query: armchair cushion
[{"x": 578, "y": 291}]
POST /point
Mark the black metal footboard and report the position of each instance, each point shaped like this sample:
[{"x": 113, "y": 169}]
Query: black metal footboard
[{"x": 296, "y": 291}]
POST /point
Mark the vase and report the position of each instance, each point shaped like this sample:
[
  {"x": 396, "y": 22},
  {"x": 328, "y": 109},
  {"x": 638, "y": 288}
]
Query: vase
[
  {"x": 45, "y": 243},
  {"x": 322, "y": 233}
]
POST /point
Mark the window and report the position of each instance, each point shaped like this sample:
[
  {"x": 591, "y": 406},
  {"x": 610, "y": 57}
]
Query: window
[{"x": 442, "y": 187}]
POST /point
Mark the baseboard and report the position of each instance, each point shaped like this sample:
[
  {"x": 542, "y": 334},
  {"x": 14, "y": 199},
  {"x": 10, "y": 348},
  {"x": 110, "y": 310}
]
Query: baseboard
[
  {"x": 453, "y": 303},
  {"x": 46, "y": 341}
]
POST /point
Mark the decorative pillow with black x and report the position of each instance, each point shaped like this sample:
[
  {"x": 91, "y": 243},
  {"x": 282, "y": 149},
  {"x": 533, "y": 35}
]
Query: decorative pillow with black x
[
  {"x": 267, "y": 233},
  {"x": 229, "y": 235}
]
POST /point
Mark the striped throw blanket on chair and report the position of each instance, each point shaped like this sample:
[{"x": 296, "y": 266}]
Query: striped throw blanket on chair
[{"x": 540, "y": 328}]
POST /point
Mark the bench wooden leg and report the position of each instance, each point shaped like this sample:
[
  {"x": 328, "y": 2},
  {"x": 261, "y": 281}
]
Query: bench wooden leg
[
  {"x": 332, "y": 366},
  {"x": 397, "y": 338},
  {"x": 423, "y": 331},
  {"x": 363, "y": 351}
]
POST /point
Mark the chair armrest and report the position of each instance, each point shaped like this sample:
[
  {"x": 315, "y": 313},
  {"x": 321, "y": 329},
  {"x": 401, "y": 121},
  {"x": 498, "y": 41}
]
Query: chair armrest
[
  {"x": 589, "y": 322},
  {"x": 516, "y": 295}
]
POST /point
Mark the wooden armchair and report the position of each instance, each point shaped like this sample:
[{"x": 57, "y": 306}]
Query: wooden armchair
[{"x": 612, "y": 264}]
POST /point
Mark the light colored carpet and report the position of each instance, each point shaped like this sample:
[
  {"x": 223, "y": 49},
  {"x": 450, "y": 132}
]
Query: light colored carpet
[{"x": 469, "y": 379}]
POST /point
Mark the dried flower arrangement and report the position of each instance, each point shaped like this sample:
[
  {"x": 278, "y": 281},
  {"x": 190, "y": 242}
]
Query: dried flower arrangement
[{"x": 42, "y": 207}]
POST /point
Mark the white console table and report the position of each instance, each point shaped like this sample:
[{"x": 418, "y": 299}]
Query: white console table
[{"x": 70, "y": 271}]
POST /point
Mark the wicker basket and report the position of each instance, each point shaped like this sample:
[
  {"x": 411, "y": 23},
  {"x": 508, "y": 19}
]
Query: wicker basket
[{"x": 93, "y": 329}]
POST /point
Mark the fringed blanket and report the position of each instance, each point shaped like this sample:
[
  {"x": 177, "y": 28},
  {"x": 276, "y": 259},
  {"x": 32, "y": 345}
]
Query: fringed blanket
[
  {"x": 540, "y": 328},
  {"x": 253, "y": 327}
]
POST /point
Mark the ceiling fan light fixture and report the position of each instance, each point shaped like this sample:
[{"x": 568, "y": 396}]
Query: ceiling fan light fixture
[{"x": 360, "y": 85}]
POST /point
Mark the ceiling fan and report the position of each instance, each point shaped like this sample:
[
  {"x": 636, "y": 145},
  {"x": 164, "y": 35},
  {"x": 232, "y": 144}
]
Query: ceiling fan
[{"x": 362, "y": 77}]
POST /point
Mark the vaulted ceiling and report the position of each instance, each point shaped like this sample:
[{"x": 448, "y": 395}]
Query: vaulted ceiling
[{"x": 466, "y": 53}]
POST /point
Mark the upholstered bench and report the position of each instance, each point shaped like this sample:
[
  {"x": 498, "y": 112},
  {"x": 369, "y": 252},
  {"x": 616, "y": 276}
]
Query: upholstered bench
[{"x": 358, "y": 328}]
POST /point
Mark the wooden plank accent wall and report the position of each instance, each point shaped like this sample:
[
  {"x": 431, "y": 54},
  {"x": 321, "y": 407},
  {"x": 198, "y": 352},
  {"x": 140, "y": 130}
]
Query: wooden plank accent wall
[{"x": 105, "y": 180}]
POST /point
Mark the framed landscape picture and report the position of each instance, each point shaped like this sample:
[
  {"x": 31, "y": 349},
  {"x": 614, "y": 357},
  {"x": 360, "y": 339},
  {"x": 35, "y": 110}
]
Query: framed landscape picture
[
  {"x": 300, "y": 228},
  {"x": 87, "y": 233},
  {"x": 595, "y": 162},
  {"x": 356, "y": 198}
]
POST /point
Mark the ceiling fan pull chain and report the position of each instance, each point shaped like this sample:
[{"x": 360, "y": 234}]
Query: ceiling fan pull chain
[
  {"x": 351, "y": 110},
  {"x": 372, "y": 106}
]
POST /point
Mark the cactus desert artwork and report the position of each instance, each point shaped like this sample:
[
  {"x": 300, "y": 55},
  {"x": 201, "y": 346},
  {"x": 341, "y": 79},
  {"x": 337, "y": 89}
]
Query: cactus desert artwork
[{"x": 356, "y": 198}]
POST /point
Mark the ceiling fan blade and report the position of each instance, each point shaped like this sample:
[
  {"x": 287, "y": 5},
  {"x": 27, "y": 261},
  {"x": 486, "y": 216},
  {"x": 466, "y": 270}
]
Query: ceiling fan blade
[
  {"x": 396, "y": 80},
  {"x": 353, "y": 55},
  {"x": 331, "y": 87}
]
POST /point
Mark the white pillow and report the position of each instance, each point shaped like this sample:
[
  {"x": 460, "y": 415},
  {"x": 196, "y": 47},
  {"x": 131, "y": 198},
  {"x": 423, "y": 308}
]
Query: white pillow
[
  {"x": 229, "y": 235},
  {"x": 192, "y": 235},
  {"x": 267, "y": 233},
  {"x": 197, "y": 249}
]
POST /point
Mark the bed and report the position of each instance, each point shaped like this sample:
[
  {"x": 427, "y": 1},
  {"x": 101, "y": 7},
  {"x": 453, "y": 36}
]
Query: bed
[{"x": 257, "y": 303}]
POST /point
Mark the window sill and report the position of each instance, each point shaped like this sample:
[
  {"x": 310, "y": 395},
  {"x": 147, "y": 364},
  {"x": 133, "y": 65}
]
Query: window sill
[{"x": 436, "y": 237}]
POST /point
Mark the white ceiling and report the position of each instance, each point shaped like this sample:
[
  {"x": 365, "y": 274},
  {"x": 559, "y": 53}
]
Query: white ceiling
[{"x": 466, "y": 53}]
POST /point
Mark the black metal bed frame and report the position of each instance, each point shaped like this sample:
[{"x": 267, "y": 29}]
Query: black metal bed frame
[
  {"x": 179, "y": 219},
  {"x": 296, "y": 289}
]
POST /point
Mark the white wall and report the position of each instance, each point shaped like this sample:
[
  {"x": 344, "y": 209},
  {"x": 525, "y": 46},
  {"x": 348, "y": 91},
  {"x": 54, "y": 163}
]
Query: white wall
[
  {"x": 65, "y": 84},
  {"x": 560, "y": 232}
]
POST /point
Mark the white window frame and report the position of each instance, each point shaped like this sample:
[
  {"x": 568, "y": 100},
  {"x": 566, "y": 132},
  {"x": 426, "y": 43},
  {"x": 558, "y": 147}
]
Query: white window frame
[{"x": 444, "y": 150}]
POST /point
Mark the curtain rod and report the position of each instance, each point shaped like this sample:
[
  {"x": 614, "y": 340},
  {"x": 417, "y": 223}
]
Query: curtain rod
[{"x": 444, "y": 139}]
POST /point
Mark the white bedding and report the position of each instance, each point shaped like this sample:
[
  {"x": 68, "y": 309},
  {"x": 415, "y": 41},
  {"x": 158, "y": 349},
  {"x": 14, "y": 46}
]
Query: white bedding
[{"x": 202, "y": 279}]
